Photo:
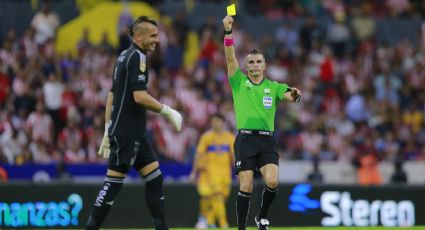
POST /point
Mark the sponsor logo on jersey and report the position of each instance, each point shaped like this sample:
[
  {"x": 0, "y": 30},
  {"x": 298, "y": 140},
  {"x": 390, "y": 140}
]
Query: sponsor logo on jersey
[
  {"x": 141, "y": 77},
  {"x": 246, "y": 131},
  {"x": 267, "y": 102},
  {"x": 266, "y": 91},
  {"x": 267, "y": 133},
  {"x": 142, "y": 65},
  {"x": 238, "y": 164}
]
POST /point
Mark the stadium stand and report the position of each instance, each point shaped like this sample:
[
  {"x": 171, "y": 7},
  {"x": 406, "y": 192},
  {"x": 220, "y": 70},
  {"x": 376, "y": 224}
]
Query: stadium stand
[{"x": 361, "y": 68}]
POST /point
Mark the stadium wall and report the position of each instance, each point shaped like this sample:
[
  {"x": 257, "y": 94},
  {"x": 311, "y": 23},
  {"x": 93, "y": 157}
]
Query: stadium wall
[
  {"x": 26, "y": 206},
  {"x": 291, "y": 172}
]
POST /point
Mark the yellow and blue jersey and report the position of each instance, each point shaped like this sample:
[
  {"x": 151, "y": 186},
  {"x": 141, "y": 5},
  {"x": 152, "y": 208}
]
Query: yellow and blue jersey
[{"x": 215, "y": 160}]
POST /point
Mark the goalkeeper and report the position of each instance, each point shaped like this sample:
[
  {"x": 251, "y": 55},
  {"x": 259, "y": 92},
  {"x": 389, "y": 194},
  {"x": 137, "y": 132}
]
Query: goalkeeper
[
  {"x": 255, "y": 99},
  {"x": 125, "y": 137}
]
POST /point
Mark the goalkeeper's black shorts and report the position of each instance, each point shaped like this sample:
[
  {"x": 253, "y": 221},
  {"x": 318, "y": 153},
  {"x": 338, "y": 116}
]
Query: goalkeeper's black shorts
[
  {"x": 254, "y": 150},
  {"x": 128, "y": 152}
]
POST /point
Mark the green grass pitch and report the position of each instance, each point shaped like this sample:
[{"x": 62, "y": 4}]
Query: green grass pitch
[
  {"x": 308, "y": 228},
  {"x": 294, "y": 228}
]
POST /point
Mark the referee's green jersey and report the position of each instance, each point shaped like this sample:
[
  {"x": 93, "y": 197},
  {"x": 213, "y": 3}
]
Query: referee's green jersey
[{"x": 255, "y": 104}]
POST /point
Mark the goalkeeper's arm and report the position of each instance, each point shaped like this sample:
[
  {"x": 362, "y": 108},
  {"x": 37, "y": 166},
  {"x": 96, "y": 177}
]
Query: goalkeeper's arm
[
  {"x": 108, "y": 109},
  {"x": 142, "y": 97},
  {"x": 104, "y": 146}
]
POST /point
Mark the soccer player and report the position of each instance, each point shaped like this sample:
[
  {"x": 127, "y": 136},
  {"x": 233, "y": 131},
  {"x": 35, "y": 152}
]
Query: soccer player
[
  {"x": 255, "y": 98},
  {"x": 212, "y": 170},
  {"x": 125, "y": 137}
]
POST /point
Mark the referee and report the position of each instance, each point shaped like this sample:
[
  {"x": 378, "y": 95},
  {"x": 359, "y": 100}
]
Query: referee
[
  {"x": 125, "y": 136},
  {"x": 255, "y": 99}
]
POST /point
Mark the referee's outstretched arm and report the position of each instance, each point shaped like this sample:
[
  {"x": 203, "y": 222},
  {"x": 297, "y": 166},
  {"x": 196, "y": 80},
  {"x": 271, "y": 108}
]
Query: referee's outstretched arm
[
  {"x": 232, "y": 62},
  {"x": 292, "y": 94}
]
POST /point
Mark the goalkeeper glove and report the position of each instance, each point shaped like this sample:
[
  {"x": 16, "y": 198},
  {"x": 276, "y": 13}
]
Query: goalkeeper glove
[
  {"x": 104, "y": 146},
  {"x": 173, "y": 116}
]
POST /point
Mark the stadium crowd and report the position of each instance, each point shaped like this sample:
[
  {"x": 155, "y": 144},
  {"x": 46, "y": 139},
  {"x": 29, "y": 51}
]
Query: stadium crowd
[{"x": 360, "y": 97}]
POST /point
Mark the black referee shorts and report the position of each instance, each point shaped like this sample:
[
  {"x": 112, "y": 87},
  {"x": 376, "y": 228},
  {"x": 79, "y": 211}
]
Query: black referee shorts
[
  {"x": 128, "y": 152},
  {"x": 254, "y": 150}
]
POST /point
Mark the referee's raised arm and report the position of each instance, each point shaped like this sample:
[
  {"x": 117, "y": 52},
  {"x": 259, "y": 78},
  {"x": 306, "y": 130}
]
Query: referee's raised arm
[{"x": 232, "y": 62}]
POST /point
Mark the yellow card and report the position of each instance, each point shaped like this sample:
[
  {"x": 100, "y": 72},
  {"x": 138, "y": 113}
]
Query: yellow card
[{"x": 231, "y": 10}]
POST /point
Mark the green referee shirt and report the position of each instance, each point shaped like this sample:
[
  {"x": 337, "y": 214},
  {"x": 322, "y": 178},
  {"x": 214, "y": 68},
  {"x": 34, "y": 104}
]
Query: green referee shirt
[{"x": 255, "y": 104}]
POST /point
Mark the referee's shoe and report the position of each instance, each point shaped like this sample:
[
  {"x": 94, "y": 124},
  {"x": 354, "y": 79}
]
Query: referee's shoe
[{"x": 262, "y": 224}]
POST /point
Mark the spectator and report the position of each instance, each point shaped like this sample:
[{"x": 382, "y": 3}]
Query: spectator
[
  {"x": 13, "y": 141},
  {"x": 287, "y": 36},
  {"x": 125, "y": 19},
  {"x": 315, "y": 176},
  {"x": 124, "y": 40},
  {"x": 367, "y": 163},
  {"x": 45, "y": 23},
  {"x": 399, "y": 175},
  {"x": 362, "y": 23},
  {"x": 84, "y": 44},
  {"x": 173, "y": 53},
  {"x": 310, "y": 33},
  {"x": 339, "y": 35},
  {"x": 8, "y": 57},
  {"x": 29, "y": 44},
  {"x": 70, "y": 141},
  {"x": 356, "y": 108},
  {"x": 25, "y": 103},
  {"x": 40, "y": 125},
  {"x": 208, "y": 47},
  {"x": 3, "y": 175},
  {"x": 5, "y": 86},
  {"x": 39, "y": 152},
  {"x": 53, "y": 89},
  {"x": 105, "y": 44},
  {"x": 387, "y": 87},
  {"x": 398, "y": 8}
]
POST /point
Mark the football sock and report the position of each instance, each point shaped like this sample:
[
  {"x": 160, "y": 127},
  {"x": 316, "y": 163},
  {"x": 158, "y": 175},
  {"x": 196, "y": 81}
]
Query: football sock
[
  {"x": 155, "y": 198},
  {"x": 267, "y": 198},
  {"x": 220, "y": 211},
  {"x": 210, "y": 214},
  {"x": 104, "y": 201},
  {"x": 242, "y": 208},
  {"x": 203, "y": 206}
]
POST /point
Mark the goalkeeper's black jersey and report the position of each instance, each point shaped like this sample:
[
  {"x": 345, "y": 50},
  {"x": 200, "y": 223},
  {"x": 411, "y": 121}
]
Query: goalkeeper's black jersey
[{"x": 130, "y": 74}]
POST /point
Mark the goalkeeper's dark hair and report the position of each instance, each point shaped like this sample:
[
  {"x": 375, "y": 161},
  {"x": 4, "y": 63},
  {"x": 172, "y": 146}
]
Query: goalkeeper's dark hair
[{"x": 139, "y": 20}]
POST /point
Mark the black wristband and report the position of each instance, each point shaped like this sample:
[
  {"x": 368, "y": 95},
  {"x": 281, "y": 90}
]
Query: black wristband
[{"x": 227, "y": 32}]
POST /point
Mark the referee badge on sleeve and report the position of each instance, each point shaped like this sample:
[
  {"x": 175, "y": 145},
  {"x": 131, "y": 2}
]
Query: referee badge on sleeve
[{"x": 267, "y": 102}]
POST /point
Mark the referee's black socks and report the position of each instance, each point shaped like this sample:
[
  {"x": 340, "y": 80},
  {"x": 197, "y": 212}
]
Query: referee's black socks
[
  {"x": 242, "y": 208},
  {"x": 266, "y": 200},
  {"x": 155, "y": 198},
  {"x": 104, "y": 201}
]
